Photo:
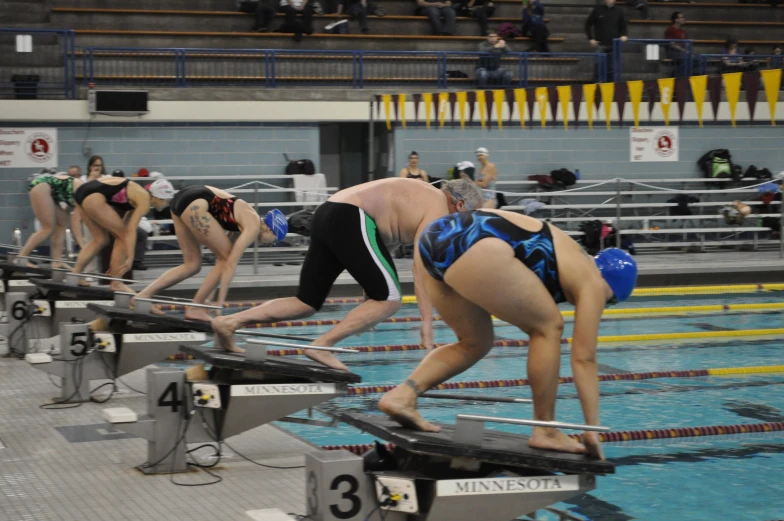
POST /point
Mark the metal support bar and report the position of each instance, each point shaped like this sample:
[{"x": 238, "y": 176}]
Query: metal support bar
[
  {"x": 71, "y": 277},
  {"x": 165, "y": 301},
  {"x": 299, "y": 346},
  {"x": 476, "y": 398}
]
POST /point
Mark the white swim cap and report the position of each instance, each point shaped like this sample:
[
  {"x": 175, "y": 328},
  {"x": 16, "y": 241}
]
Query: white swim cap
[{"x": 482, "y": 151}]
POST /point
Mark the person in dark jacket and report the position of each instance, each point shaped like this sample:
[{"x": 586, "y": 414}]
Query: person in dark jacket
[
  {"x": 261, "y": 9},
  {"x": 534, "y": 25},
  {"x": 606, "y": 23}
]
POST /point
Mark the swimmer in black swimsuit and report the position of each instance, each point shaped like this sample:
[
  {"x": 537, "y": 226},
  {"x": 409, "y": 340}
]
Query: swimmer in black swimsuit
[
  {"x": 202, "y": 215},
  {"x": 412, "y": 171},
  {"x": 495, "y": 262},
  {"x": 113, "y": 205}
]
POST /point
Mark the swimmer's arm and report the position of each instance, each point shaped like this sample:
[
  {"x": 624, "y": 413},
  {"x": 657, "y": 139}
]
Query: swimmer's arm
[
  {"x": 589, "y": 306},
  {"x": 228, "y": 267},
  {"x": 140, "y": 199},
  {"x": 76, "y": 227},
  {"x": 423, "y": 300}
]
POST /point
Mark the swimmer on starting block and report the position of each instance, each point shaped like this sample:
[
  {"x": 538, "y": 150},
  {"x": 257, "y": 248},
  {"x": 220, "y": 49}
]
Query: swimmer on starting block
[
  {"x": 202, "y": 215},
  {"x": 351, "y": 231},
  {"x": 116, "y": 205},
  {"x": 495, "y": 262},
  {"x": 52, "y": 197}
]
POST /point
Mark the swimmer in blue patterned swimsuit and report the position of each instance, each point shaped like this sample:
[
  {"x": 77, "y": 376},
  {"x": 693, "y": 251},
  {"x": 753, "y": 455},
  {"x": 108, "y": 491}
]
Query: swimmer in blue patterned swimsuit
[{"x": 517, "y": 268}]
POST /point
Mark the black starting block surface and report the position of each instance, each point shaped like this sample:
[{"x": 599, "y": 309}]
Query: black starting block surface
[
  {"x": 11, "y": 270},
  {"x": 277, "y": 365},
  {"x": 176, "y": 324},
  {"x": 497, "y": 447},
  {"x": 54, "y": 289}
]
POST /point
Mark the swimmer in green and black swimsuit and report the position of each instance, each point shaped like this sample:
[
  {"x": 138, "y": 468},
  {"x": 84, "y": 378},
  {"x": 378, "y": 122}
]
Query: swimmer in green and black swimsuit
[{"x": 51, "y": 197}]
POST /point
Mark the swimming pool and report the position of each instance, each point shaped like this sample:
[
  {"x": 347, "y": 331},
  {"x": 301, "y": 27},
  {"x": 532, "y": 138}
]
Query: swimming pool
[{"x": 735, "y": 477}]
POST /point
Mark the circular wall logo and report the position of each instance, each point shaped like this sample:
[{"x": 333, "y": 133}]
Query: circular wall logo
[
  {"x": 39, "y": 147},
  {"x": 663, "y": 143}
]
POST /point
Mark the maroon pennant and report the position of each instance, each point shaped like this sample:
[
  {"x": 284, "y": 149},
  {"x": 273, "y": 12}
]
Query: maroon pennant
[
  {"x": 621, "y": 89},
  {"x": 714, "y": 94},
  {"x": 489, "y": 105},
  {"x": 651, "y": 89},
  {"x": 396, "y": 102},
  {"x": 552, "y": 97},
  {"x": 452, "y": 102},
  {"x": 417, "y": 99},
  {"x": 530, "y": 99},
  {"x": 471, "y": 100},
  {"x": 378, "y": 106},
  {"x": 751, "y": 82},
  {"x": 510, "y": 100},
  {"x": 435, "y": 109},
  {"x": 577, "y": 98},
  {"x": 682, "y": 90}
]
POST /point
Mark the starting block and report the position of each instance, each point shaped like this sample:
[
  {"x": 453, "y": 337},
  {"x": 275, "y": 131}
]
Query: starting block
[
  {"x": 431, "y": 476},
  {"x": 238, "y": 395}
]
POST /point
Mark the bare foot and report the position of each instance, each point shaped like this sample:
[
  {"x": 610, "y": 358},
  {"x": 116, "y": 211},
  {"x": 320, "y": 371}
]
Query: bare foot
[
  {"x": 61, "y": 266},
  {"x": 83, "y": 283},
  {"x": 30, "y": 264},
  {"x": 326, "y": 358},
  {"x": 199, "y": 314},
  {"x": 224, "y": 334},
  {"x": 554, "y": 439},
  {"x": 400, "y": 405},
  {"x": 156, "y": 310},
  {"x": 121, "y": 287},
  {"x": 593, "y": 445}
]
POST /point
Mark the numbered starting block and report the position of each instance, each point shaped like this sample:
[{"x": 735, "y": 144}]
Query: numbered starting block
[
  {"x": 237, "y": 395},
  {"x": 433, "y": 476}
]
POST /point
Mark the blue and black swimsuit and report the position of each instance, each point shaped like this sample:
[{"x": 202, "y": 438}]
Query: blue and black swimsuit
[{"x": 447, "y": 238}]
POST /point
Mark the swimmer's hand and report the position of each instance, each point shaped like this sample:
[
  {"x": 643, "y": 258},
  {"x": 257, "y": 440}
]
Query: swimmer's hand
[
  {"x": 426, "y": 332},
  {"x": 593, "y": 445}
]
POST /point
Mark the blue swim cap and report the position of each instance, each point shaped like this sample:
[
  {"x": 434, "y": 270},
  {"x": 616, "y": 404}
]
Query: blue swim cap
[
  {"x": 276, "y": 221},
  {"x": 619, "y": 270}
]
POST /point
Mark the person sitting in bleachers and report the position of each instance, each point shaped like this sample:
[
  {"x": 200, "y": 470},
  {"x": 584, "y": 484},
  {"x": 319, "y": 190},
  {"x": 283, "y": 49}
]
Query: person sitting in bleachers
[
  {"x": 357, "y": 9},
  {"x": 291, "y": 8},
  {"x": 435, "y": 11},
  {"x": 489, "y": 68},
  {"x": 482, "y": 10},
  {"x": 734, "y": 61},
  {"x": 534, "y": 25},
  {"x": 262, "y": 11}
]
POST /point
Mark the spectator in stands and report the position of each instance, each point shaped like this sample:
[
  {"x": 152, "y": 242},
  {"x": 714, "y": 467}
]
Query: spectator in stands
[
  {"x": 74, "y": 171},
  {"x": 435, "y": 11},
  {"x": 356, "y": 9},
  {"x": 778, "y": 61},
  {"x": 489, "y": 69},
  {"x": 733, "y": 61},
  {"x": 412, "y": 171},
  {"x": 291, "y": 8},
  {"x": 534, "y": 25},
  {"x": 482, "y": 10},
  {"x": 261, "y": 9},
  {"x": 95, "y": 169},
  {"x": 677, "y": 52},
  {"x": 606, "y": 23}
]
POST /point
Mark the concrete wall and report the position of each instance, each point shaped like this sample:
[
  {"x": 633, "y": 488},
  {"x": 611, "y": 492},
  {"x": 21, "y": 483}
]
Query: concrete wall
[
  {"x": 599, "y": 154},
  {"x": 242, "y": 149}
]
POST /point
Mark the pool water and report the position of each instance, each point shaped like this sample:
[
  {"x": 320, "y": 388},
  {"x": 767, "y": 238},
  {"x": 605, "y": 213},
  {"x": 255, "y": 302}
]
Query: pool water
[{"x": 737, "y": 477}]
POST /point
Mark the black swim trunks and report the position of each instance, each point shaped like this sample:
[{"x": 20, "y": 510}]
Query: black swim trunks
[
  {"x": 116, "y": 195},
  {"x": 221, "y": 209}
]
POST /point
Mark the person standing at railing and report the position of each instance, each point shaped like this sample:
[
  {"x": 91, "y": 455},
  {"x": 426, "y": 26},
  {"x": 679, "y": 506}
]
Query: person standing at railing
[
  {"x": 489, "y": 68},
  {"x": 435, "y": 11},
  {"x": 534, "y": 25},
  {"x": 606, "y": 23},
  {"x": 291, "y": 8},
  {"x": 202, "y": 215},
  {"x": 677, "y": 52},
  {"x": 261, "y": 10}
]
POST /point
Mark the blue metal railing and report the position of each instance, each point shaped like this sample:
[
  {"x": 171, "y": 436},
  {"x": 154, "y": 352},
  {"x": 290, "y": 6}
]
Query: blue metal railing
[
  {"x": 41, "y": 63},
  {"x": 682, "y": 61},
  {"x": 271, "y": 68},
  {"x": 718, "y": 63}
]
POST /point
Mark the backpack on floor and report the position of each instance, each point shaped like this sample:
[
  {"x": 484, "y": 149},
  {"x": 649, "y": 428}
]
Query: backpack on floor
[{"x": 716, "y": 164}]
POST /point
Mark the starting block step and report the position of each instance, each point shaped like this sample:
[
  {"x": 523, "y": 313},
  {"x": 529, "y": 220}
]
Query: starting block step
[
  {"x": 497, "y": 447},
  {"x": 10, "y": 269},
  {"x": 37, "y": 358},
  {"x": 172, "y": 324},
  {"x": 120, "y": 415},
  {"x": 53, "y": 289}
]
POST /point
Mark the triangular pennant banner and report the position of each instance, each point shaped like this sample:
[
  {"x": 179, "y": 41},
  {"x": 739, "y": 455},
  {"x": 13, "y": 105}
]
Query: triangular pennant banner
[
  {"x": 461, "y": 107},
  {"x": 519, "y": 95},
  {"x": 635, "y": 95},
  {"x": 531, "y": 106},
  {"x": 771, "y": 79},
  {"x": 378, "y": 106},
  {"x": 387, "y": 100},
  {"x": 577, "y": 99},
  {"x": 401, "y": 99},
  {"x": 427, "y": 98},
  {"x": 417, "y": 101},
  {"x": 395, "y": 103},
  {"x": 681, "y": 95},
  {"x": 452, "y": 104},
  {"x": 498, "y": 98},
  {"x": 666, "y": 95},
  {"x": 489, "y": 98},
  {"x": 608, "y": 90},
  {"x": 751, "y": 83},
  {"x": 698, "y": 85},
  {"x": 541, "y": 101},
  {"x": 620, "y": 100},
  {"x": 732, "y": 88},
  {"x": 651, "y": 91},
  {"x": 714, "y": 92},
  {"x": 552, "y": 98},
  {"x": 443, "y": 103},
  {"x": 589, "y": 90},
  {"x": 471, "y": 96},
  {"x": 481, "y": 102},
  {"x": 510, "y": 102},
  {"x": 564, "y": 95}
]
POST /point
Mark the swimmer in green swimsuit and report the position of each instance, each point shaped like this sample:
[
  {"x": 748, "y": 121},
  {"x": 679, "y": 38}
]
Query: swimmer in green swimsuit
[{"x": 51, "y": 197}]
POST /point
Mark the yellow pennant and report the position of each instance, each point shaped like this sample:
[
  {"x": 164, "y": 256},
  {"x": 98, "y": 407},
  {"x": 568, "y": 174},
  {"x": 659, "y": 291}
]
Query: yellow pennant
[
  {"x": 520, "y": 99},
  {"x": 387, "y": 99},
  {"x": 402, "y": 100},
  {"x": 635, "y": 95},
  {"x": 589, "y": 95},
  {"x": 499, "y": 97},
  {"x": 461, "y": 105},
  {"x": 564, "y": 97},
  {"x": 443, "y": 102},
  {"x": 608, "y": 91},
  {"x": 481, "y": 100},
  {"x": 541, "y": 100},
  {"x": 698, "y": 86},
  {"x": 732, "y": 87},
  {"x": 771, "y": 79},
  {"x": 666, "y": 88},
  {"x": 427, "y": 99}
]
